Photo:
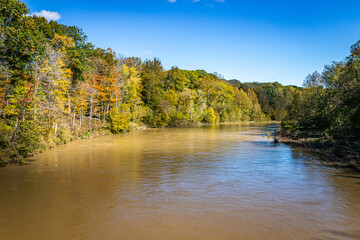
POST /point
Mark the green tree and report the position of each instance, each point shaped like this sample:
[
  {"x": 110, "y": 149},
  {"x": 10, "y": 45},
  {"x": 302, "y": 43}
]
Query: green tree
[{"x": 176, "y": 80}]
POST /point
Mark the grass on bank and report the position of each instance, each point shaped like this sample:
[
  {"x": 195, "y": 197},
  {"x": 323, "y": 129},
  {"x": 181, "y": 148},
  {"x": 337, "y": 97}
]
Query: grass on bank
[{"x": 333, "y": 153}]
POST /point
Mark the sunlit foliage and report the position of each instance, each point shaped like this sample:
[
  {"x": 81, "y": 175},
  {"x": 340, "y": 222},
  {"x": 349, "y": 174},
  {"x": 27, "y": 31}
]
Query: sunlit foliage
[{"x": 56, "y": 86}]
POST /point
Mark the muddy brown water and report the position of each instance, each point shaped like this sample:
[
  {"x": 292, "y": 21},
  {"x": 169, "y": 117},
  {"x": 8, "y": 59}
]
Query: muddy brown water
[{"x": 221, "y": 182}]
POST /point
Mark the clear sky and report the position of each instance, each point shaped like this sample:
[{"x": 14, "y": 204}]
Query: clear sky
[{"x": 250, "y": 40}]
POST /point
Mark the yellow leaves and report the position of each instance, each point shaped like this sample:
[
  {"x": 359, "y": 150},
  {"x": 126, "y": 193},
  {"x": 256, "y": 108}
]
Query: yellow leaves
[
  {"x": 62, "y": 43},
  {"x": 209, "y": 116},
  {"x": 132, "y": 86},
  {"x": 11, "y": 110},
  {"x": 125, "y": 70},
  {"x": 54, "y": 79},
  {"x": 120, "y": 119},
  {"x": 67, "y": 73},
  {"x": 172, "y": 97}
]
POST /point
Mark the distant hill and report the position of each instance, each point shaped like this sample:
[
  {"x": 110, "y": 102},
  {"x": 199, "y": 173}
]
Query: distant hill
[
  {"x": 246, "y": 85},
  {"x": 235, "y": 83}
]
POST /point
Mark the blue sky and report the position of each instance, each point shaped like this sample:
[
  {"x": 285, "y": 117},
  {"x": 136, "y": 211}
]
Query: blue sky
[{"x": 250, "y": 40}]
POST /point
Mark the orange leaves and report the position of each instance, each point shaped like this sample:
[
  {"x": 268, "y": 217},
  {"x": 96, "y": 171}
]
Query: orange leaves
[{"x": 107, "y": 86}]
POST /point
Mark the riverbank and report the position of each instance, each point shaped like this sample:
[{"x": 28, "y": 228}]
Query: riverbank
[
  {"x": 329, "y": 152},
  {"x": 9, "y": 155}
]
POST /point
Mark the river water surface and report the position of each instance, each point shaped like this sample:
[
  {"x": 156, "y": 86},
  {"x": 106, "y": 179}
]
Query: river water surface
[{"x": 223, "y": 182}]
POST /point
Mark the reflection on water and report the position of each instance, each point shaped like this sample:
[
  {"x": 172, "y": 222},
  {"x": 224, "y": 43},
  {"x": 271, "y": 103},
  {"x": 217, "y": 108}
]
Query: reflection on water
[{"x": 222, "y": 182}]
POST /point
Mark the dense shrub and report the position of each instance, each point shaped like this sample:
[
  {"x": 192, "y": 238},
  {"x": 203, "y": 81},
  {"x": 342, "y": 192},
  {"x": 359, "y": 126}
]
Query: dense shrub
[
  {"x": 119, "y": 119},
  {"x": 209, "y": 116}
]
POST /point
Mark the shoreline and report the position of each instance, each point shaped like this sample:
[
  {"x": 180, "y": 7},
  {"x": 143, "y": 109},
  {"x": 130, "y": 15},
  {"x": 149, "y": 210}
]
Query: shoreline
[
  {"x": 329, "y": 153},
  {"x": 27, "y": 160},
  {"x": 104, "y": 132}
]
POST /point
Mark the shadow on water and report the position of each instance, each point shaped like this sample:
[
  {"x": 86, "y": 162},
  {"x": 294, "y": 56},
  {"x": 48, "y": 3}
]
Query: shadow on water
[
  {"x": 347, "y": 176},
  {"x": 268, "y": 142},
  {"x": 350, "y": 175},
  {"x": 256, "y": 134},
  {"x": 340, "y": 235}
]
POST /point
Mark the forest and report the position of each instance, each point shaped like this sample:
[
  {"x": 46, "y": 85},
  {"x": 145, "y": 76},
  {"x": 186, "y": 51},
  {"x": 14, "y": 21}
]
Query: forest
[
  {"x": 328, "y": 108},
  {"x": 57, "y": 86}
]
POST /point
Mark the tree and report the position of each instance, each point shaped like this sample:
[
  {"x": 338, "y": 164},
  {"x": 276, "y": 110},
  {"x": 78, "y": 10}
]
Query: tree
[
  {"x": 52, "y": 82},
  {"x": 131, "y": 89},
  {"x": 21, "y": 39},
  {"x": 176, "y": 80},
  {"x": 152, "y": 78}
]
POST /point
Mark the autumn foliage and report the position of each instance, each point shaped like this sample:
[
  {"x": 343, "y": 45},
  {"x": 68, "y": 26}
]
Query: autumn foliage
[{"x": 56, "y": 86}]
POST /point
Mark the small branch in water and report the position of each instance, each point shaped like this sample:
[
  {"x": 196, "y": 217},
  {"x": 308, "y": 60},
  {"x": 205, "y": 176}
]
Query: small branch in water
[{"x": 276, "y": 135}]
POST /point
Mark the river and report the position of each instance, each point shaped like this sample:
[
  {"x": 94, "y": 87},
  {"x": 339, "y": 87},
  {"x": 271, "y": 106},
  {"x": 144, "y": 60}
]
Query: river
[{"x": 220, "y": 182}]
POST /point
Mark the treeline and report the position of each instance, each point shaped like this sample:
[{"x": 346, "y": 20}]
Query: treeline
[
  {"x": 274, "y": 98},
  {"x": 56, "y": 86},
  {"x": 329, "y": 106}
]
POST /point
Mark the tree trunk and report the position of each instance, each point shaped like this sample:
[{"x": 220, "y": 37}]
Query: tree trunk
[
  {"x": 81, "y": 117},
  {"x": 73, "y": 121},
  {"x": 91, "y": 112},
  {"x": 104, "y": 115},
  {"x": 56, "y": 126},
  {"x": 69, "y": 106},
  {"x": 23, "y": 115}
]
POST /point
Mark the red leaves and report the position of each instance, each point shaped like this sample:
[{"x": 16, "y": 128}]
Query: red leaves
[{"x": 28, "y": 98}]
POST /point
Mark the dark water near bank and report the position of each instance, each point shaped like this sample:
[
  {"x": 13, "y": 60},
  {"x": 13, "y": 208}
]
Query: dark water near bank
[{"x": 223, "y": 182}]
